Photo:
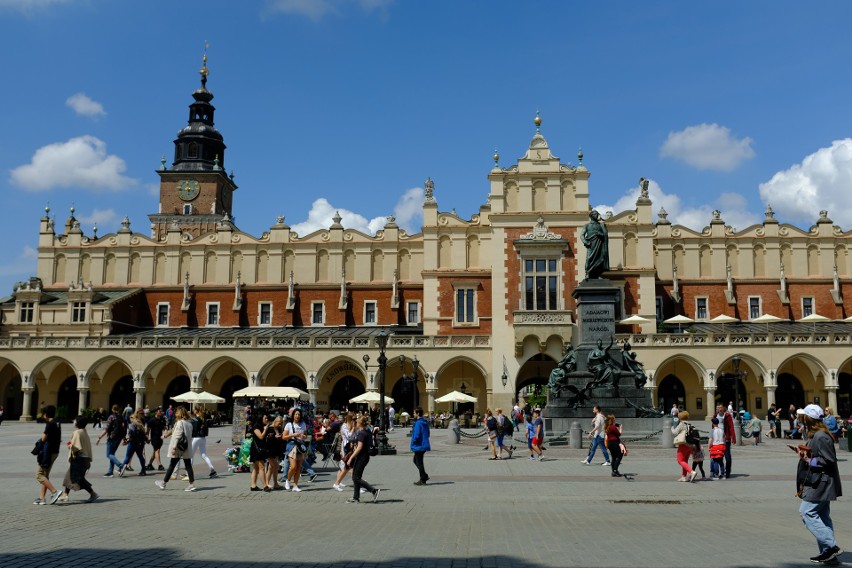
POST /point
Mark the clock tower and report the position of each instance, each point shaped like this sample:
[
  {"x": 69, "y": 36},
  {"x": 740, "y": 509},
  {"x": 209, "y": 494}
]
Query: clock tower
[{"x": 195, "y": 193}]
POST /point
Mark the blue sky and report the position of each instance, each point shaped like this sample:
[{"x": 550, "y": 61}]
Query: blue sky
[{"x": 349, "y": 105}]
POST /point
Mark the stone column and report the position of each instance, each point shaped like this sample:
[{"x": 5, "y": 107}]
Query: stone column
[
  {"x": 832, "y": 397},
  {"x": 709, "y": 402},
  {"x": 140, "y": 397},
  {"x": 28, "y": 400},
  {"x": 313, "y": 393},
  {"x": 83, "y": 394},
  {"x": 430, "y": 395},
  {"x": 770, "y": 396}
]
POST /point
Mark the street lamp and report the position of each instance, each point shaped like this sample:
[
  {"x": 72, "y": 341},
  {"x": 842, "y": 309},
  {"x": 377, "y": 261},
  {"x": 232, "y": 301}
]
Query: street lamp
[
  {"x": 382, "y": 341},
  {"x": 415, "y": 364}
]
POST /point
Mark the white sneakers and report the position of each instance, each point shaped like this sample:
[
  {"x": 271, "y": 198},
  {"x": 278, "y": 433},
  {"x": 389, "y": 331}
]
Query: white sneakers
[
  {"x": 287, "y": 485},
  {"x": 296, "y": 488},
  {"x": 586, "y": 462},
  {"x": 337, "y": 487},
  {"x": 190, "y": 487}
]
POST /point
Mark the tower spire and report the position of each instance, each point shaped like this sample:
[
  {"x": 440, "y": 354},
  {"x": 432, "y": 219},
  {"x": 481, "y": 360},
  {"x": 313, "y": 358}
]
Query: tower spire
[{"x": 203, "y": 71}]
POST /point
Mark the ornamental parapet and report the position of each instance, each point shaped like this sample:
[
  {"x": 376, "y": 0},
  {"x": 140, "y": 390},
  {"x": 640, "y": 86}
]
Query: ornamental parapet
[{"x": 734, "y": 339}]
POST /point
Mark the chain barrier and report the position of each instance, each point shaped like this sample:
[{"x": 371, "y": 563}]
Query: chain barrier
[
  {"x": 639, "y": 439},
  {"x": 550, "y": 439}
]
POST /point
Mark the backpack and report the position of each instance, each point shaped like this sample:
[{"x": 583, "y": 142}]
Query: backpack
[
  {"x": 182, "y": 443},
  {"x": 116, "y": 428},
  {"x": 508, "y": 427},
  {"x": 373, "y": 449},
  {"x": 137, "y": 435},
  {"x": 692, "y": 435}
]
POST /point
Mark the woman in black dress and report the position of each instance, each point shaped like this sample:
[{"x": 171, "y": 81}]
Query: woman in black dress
[
  {"x": 259, "y": 453},
  {"x": 359, "y": 460}
]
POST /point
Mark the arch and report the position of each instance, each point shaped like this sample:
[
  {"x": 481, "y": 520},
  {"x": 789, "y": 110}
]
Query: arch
[
  {"x": 109, "y": 269},
  {"x": 813, "y": 261},
  {"x": 279, "y": 367},
  {"x": 185, "y": 267},
  {"x": 677, "y": 253},
  {"x": 511, "y": 194},
  {"x": 746, "y": 390},
  {"x": 759, "y": 260},
  {"x": 322, "y": 266},
  {"x": 467, "y": 375},
  {"x": 13, "y": 397},
  {"x": 812, "y": 365},
  {"x": 406, "y": 393},
  {"x": 289, "y": 265},
  {"x": 539, "y": 196},
  {"x": 48, "y": 367},
  {"x": 840, "y": 260},
  {"x": 228, "y": 389},
  {"x": 734, "y": 260},
  {"x": 377, "y": 266},
  {"x": 210, "y": 267},
  {"x": 216, "y": 365},
  {"x": 445, "y": 247},
  {"x": 236, "y": 265},
  {"x": 671, "y": 391},
  {"x": 534, "y": 372},
  {"x": 349, "y": 263},
  {"x": 85, "y": 268},
  {"x": 705, "y": 261},
  {"x": 67, "y": 399},
  {"x": 344, "y": 388},
  {"x": 262, "y": 266},
  {"x": 294, "y": 381},
  {"x": 160, "y": 269},
  {"x": 135, "y": 273},
  {"x": 631, "y": 244},
  {"x": 690, "y": 372},
  {"x": 472, "y": 251},
  {"x": 122, "y": 393},
  {"x": 404, "y": 259},
  {"x": 844, "y": 393},
  {"x": 176, "y": 386},
  {"x": 789, "y": 391},
  {"x": 566, "y": 196},
  {"x": 59, "y": 269},
  {"x": 163, "y": 365},
  {"x": 106, "y": 371},
  {"x": 460, "y": 359}
]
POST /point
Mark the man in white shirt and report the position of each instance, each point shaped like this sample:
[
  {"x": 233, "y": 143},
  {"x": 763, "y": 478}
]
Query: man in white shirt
[
  {"x": 391, "y": 414},
  {"x": 598, "y": 437}
]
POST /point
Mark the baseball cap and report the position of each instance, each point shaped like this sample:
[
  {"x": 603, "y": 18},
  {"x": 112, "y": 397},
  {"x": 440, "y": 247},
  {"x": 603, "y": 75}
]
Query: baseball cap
[{"x": 813, "y": 410}]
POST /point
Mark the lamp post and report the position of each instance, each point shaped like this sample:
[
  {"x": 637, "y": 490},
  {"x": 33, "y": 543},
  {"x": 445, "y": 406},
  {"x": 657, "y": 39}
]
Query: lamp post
[
  {"x": 737, "y": 376},
  {"x": 382, "y": 341},
  {"x": 415, "y": 364}
]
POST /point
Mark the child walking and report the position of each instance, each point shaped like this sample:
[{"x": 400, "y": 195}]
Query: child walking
[
  {"x": 698, "y": 459},
  {"x": 717, "y": 450}
]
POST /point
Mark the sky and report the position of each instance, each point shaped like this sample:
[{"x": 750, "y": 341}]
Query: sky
[{"x": 349, "y": 105}]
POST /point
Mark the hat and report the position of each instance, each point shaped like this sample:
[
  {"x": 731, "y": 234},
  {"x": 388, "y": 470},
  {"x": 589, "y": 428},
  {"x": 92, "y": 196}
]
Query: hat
[
  {"x": 800, "y": 411},
  {"x": 714, "y": 420},
  {"x": 813, "y": 410}
]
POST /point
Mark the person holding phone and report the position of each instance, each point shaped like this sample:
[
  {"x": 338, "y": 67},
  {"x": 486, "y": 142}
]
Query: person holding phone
[{"x": 818, "y": 481}]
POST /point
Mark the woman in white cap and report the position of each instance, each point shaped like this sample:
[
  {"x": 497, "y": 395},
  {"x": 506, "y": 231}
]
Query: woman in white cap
[{"x": 818, "y": 481}]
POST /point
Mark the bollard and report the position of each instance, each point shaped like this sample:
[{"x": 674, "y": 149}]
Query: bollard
[
  {"x": 667, "y": 437},
  {"x": 576, "y": 436},
  {"x": 453, "y": 432}
]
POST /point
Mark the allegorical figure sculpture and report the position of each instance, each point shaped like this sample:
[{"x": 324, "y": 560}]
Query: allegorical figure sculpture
[
  {"x": 596, "y": 240},
  {"x": 602, "y": 365},
  {"x": 558, "y": 375},
  {"x": 632, "y": 365}
]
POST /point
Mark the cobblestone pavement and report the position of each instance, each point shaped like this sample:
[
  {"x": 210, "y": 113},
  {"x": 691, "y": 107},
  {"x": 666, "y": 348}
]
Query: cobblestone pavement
[{"x": 474, "y": 512}]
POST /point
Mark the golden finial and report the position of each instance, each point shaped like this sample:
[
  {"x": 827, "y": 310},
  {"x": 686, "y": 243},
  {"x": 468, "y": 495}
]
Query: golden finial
[
  {"x": 204, "y": 72},
  {"x": 537, "y": 121},
  {"x": 496, "y": 157}
]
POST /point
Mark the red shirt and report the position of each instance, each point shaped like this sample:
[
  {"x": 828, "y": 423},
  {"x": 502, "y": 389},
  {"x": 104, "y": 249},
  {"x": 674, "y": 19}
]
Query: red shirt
[{"x": 612, "y": 434}]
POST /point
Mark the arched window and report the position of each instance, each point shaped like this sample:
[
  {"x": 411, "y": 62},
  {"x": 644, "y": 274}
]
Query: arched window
[
  {"x": 322, "y": 266},
  {"x": 192, "y": 150},
  {"x": 262, "y": 269},
  {"x": 539, "y": 196},
  {"x": 59, "y": 269},
  {"x": 630, "y": 245},
  {"x": 378, "y": 270},
  {"x": 109, "y": 269},
  {"x": 185, "y": 266},
  {"x": 787, "y": 259},
  {"x": 705, "y": 268},
  {"x": 210, "y": 267},
  {"x": 85, "y": 268},
  {"x": 444, "y": 252},
  {"x": 160, "y": 269},
  {"x": 236, "y": 265},
  {"x": 734, "y": 260},
  {"x": 404, "y": 265},
  {"x": 840, "y": 260},
  {"x": 135, "y": 269},
  {"x": 813, "y": 261},
  {"x": 678, "y": 261},
  {"x": 759, "y": 260},
  {"x": 349, "y": 264},
  {"x": 472, "y": 251},
  {"x": 511, "y": 197}
]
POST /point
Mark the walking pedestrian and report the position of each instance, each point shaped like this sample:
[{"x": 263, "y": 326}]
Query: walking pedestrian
[
  {"x": 538, "y": 438},
  {"x": 717, "y": 450},
  {"x": 156, "y": 426},
  {"x": 80, "y": 459},
  {"x": 200, "y": 431},
  {"x": 179, "y": 449},
  {"x": 294, "y": 435},
  {"x": 698, "y": 459},
  {"x": 114, "y": 432},
  {"x": 819, "y": 484},
  {"x": 420, "y": 444},
  {"x": 530, "y": 427},
  {"x": 347, "y": 439},
  {"x": 491, "y": 431},
  {"x": 359, "y": 460},
  {"x": 136, "y": 439},
  {"x": 613, "y": 442},
  {"x": 51, "y": 437},
  {"x": 504, "y": 427},
  {"x": 598, "y": 437},
  {"x": 259, "y": 452},
  {"x": 684, "y": 450}
]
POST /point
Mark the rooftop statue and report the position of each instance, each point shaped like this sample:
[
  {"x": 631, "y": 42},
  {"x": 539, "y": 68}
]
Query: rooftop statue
[{"x": 596, "y": 240}]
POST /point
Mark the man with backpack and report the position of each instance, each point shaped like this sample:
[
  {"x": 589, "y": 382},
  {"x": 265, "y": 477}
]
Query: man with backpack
[
  {"x": 504, "y": 426},
  {"x": 115, "y": 431}
]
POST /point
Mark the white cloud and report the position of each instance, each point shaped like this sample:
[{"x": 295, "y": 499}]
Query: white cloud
[
  {"x": 105, "y": 218},
  {"x": 822, "y": 180},
  {"x": 316, "y": 10},
  {"x": 732, "y": 206},
  {"x": 707, "y": 147},
  {"x": 20, "y": 267},
  {"x": 81, "y": 162},
  {"x": 408, "y": 212},
  {"x": 84, "y": 106}
]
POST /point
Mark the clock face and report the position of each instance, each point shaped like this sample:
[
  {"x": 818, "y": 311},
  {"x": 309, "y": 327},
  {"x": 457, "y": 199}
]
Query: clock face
[{"x": 188, "y": 189}]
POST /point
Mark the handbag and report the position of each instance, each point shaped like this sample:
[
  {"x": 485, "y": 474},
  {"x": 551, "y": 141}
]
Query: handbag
[
  {"x": 38, "y": 446},
  {"x": 680, "y": 439}
]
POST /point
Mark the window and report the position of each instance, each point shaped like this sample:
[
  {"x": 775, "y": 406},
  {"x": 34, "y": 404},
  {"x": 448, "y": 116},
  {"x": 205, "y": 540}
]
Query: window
[
  {"x": 78, "y": 312},
  {"x": 27, "y": 313},
  {"x": 213, "y": 313},
  {"x": 540, "y": 284},
  {"x": 807, "y": 307},
  {"x": 187, "y": 209},
  {"x": 660, "y": 315},
  {"x": 413, "y": 317},
  {"x": 753, "y": 307},
  {"x": 162, "y": 314},
  {"x": 701, "y": 308},
  {"x": 317, "y": 313},
  {"x": 465, "y": 302},
  {"x": 264, "y": 313},
  {"x": 370, "y": 313}
]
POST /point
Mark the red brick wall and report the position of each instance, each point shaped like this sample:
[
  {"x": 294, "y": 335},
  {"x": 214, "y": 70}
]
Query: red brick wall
[{"x": 447, "y": 305}]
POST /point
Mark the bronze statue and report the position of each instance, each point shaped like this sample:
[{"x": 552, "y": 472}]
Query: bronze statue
[
  {"x": 558, "y": 375},
  {"x": 596, "y": 240},
  {"x": 632, "y": 365},
  {"x": 602, "y": 365}
]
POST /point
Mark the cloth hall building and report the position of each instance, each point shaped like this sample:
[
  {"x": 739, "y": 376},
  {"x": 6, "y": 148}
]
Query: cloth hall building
[{"x": 483, "y": 302}]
